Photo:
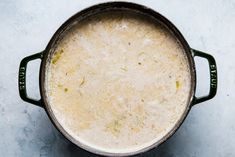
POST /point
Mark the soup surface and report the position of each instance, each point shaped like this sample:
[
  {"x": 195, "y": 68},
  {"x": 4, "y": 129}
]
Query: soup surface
[{"x": 118, "y": 82}]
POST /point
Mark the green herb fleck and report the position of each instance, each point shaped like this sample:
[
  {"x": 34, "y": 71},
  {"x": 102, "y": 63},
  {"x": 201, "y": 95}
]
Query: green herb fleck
[
  {"x": 66, "y": 90},
  {"x": 141, "y": 53},
  {"x": 82, "y": 81},
  {"x": 124, "y": 68},
  {"x": 60, "y": 85},
  {"x": 114, "y": 127},
  {"x": 57, "y": 56},
  {"x": 177, "y": 83}
]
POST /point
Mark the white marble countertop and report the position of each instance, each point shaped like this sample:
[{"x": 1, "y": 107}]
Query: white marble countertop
[{"x": 26, "y": 27}]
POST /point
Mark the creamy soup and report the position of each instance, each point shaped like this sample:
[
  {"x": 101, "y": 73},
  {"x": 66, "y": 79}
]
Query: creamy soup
[{"x": 118, "y": 82}]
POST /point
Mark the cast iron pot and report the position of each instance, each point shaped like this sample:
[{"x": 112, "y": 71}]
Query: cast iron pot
[{"x": 45, "y": 57}]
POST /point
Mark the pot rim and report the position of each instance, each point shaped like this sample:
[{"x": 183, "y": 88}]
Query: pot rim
[{"x": 97, "y": 9}]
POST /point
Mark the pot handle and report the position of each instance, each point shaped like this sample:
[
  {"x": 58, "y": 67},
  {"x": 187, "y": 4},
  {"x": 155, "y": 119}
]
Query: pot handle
[
  {"x": 22, "y": 78},
  {"x": 213, "y": 76}
]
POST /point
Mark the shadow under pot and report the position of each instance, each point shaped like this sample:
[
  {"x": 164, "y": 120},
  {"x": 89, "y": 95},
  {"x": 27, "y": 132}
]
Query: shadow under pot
[{"x": 117, "y": 79}]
